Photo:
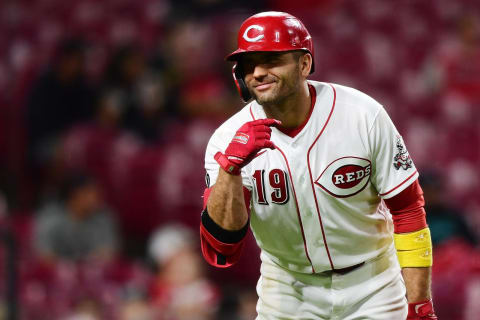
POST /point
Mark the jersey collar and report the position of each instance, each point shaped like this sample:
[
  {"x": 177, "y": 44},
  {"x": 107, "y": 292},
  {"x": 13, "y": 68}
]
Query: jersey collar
[{"x": 292, "y": 132}]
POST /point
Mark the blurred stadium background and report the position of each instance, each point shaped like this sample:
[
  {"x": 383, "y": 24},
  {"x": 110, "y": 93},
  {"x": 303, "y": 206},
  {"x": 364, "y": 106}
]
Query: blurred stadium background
[{"x": 106, "y": 108}]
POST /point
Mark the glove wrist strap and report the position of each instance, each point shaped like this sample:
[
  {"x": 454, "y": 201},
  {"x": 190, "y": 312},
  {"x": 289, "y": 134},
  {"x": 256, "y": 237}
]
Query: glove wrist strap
[
  {"x": 422, "y": 308},
  {"x": 228, "y": 166}
]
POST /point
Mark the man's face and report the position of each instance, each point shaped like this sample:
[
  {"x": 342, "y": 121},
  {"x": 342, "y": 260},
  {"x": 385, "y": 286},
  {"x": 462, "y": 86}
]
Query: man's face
[
  {"x": 86, "y": 199},
  {"x": 271, "y": 76}
]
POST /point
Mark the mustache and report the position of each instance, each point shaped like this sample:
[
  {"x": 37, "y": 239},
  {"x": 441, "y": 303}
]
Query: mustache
[{"x": 255, "y": 83}]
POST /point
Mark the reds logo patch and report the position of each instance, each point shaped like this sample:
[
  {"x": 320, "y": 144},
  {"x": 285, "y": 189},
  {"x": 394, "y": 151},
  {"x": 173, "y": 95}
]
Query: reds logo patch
[{"x": 345, "y": 176}]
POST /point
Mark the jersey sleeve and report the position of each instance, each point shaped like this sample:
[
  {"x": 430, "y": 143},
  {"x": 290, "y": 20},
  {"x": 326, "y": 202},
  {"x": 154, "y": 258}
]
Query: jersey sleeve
[
  {"x": 219, "y": 142},
  {"x": 393, "y": 169}
]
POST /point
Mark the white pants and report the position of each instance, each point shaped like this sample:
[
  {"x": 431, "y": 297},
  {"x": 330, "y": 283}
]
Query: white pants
[{"x": 373, "y": 291}]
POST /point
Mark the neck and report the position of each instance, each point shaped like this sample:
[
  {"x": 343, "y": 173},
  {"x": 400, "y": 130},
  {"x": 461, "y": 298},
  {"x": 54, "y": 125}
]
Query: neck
[{"x": 292, "y": 111}]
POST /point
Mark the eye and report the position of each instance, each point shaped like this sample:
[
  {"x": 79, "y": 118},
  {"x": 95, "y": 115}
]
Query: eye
[{"x": 247, "y": 67}]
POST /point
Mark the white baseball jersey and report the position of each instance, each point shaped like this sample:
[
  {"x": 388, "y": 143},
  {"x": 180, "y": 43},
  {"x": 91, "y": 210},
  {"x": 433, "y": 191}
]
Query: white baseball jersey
[{"x": 316, "y": 198}]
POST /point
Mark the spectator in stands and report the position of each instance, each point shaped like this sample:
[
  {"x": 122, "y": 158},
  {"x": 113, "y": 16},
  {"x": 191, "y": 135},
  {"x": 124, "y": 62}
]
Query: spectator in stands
[
  {"x": 456, "y": 62},
  {"x": 136, "y": 310},
  {"x": 149, "y": 117},
  {"x": 60, "y": 97},
  {"x": 141, "y": 92},
  {"x": 78, "y": 227},
  {"x": 238, "y": 303},
  {"x": 445, "y": 221},
  {"x": 90, "y": 146},
  {"x": 110, "y": 109},
  {"x": 85, "y": 310},
  {"x": 180, "y": 291}
]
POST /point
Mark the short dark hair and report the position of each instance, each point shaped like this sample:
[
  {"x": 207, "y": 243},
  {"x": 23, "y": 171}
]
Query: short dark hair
[
  {"x": 73, "y": 182},
  {"x": 298, "y": 53}
]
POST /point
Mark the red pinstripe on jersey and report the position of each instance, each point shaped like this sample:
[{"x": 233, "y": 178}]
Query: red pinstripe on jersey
[
  {"x": 311, "y": 178},
  {"x": 298, "y": 210},
  {"x": 313, "y": 188},
  {"x": 313, "y": 95}
]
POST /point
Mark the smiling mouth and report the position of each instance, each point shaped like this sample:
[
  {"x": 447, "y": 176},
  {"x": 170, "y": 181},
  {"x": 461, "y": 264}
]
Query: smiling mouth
[{"x": 263, "y": 86}]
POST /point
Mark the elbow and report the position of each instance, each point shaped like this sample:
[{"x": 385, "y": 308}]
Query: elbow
[{"x": 221, "y": 248}]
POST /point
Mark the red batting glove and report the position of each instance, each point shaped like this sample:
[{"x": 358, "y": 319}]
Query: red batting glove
[
  {"x": 421, "y": 311},
  {"x": 249, "y": 139}
]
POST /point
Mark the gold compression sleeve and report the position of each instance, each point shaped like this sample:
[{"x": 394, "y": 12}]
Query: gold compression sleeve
[{"x": 414, "y": 249}]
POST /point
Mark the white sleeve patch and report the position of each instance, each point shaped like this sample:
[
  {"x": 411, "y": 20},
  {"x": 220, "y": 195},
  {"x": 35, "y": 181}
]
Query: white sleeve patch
[{"x": 392, "y": 167}]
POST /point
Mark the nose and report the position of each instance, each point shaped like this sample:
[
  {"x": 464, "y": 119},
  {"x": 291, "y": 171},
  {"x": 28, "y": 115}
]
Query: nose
[{"x": 260, "y": 71}]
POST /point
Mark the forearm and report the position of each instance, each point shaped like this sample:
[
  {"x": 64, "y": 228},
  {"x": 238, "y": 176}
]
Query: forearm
[
  {"x": 226, "y": 203},
  {"x": 417, "y": 282}
]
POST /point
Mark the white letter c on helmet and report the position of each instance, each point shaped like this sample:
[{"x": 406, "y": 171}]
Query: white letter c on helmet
[{"x": 256, "y": 27}]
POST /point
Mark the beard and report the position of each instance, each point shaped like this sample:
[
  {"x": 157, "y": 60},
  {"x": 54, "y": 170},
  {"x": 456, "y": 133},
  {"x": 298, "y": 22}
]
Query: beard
[
  {"x": 271, "y": 96},
  {"x": 281, "y": 89}
]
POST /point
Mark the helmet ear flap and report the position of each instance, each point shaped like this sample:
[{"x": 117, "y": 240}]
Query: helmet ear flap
[{"x": 240, "y": 83}]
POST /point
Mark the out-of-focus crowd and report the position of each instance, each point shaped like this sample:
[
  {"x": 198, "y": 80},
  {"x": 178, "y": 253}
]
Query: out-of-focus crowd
[{"x": 106, "y": 108}]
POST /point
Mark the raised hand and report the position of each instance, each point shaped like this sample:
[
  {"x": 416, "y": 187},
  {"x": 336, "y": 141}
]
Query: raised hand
[{"x": 252, "y": 137}]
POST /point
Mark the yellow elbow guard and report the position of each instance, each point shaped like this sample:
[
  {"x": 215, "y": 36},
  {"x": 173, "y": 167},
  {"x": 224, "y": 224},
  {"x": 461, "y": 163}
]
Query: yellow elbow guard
[{"x": 414, "y": 249}]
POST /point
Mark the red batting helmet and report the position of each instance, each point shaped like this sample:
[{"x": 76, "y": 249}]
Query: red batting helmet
[{"x": 269, "y": 31}]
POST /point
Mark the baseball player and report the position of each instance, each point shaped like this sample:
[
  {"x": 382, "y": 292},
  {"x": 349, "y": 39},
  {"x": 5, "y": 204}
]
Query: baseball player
[{"x": 324, "y": 180}]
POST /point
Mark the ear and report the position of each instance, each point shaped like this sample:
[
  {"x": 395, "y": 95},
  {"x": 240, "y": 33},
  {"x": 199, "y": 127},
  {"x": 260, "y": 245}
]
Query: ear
[{"x": 305, "y": 63}]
